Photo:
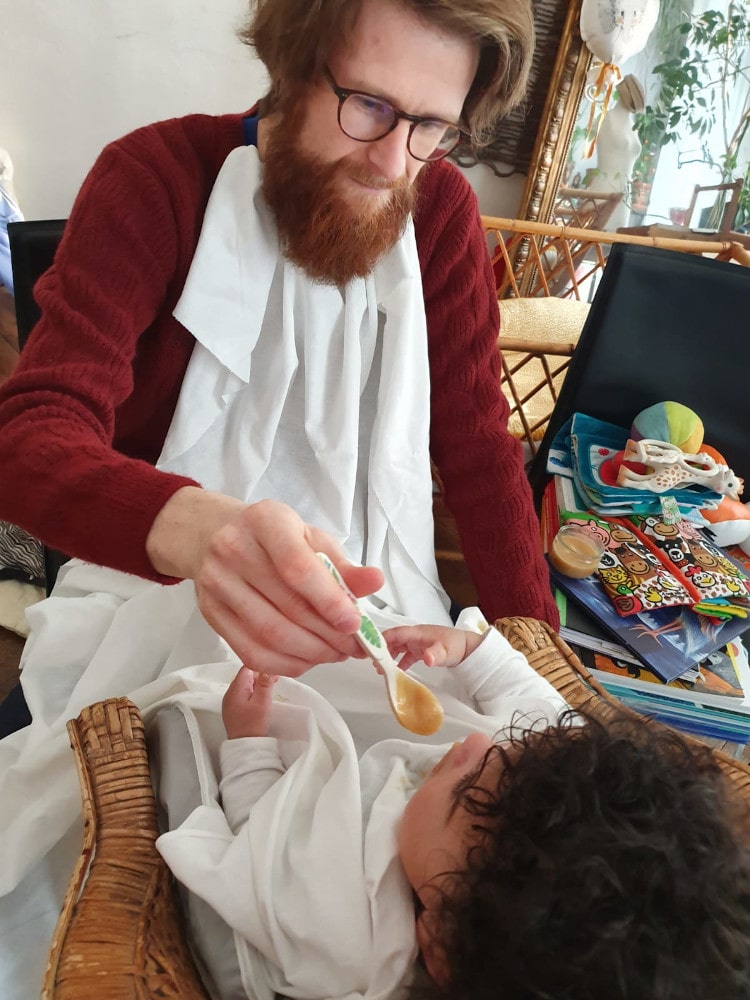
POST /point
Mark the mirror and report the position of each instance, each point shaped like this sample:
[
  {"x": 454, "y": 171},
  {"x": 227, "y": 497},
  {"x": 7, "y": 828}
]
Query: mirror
[
  {"x": 694, "y": 183},
  {"x": 512, "y": 147}
]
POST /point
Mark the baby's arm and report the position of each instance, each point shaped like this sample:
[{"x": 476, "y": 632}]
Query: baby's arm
[
  {"x": 434, "y": 645},
  {"x": 250, "y": 761},
  {"x": 498, "y": 676},
  {"x": 487, "y": 667}
]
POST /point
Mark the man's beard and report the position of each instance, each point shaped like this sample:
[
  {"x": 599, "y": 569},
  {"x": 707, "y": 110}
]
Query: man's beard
[{"x": 331, "y": 238}]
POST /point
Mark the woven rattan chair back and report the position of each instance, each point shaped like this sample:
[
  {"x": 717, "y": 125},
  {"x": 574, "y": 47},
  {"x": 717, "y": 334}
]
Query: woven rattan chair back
[
  {"x": 535, "y": 260},
  {"x": 120, "y": 933}
]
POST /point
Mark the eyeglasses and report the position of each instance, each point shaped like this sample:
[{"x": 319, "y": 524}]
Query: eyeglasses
[{"x": 367, "y": 118}]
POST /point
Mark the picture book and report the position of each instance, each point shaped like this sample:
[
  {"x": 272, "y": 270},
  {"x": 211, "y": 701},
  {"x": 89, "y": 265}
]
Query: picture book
[
  {"x": 701, "y": 721},
  {"x": 579, "y": 629},
  {"x": 691, "y": 708},
  {"x": 722, "y": 680}
]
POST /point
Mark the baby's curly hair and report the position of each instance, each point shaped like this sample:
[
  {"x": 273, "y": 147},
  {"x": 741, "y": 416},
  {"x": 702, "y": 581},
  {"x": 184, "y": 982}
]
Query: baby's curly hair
[{"x": 613, "y": 862}]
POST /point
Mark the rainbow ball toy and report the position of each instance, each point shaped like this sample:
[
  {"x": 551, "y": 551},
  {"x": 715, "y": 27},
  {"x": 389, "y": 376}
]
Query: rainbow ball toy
[{"x": 671, "y": 422}]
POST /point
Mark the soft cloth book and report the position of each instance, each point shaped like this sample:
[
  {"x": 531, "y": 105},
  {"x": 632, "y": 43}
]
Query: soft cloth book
[{"x": 668, "y": 640}]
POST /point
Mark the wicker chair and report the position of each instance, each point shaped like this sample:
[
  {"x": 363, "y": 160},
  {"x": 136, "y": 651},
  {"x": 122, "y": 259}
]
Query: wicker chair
[
  {"x": 120, "y": 934},
  {"x": 533, "y": 260}
]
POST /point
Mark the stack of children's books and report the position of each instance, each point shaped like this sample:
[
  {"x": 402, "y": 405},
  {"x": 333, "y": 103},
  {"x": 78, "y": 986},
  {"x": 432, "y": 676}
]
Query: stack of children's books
[
  {"x": 710, "y": 698},
  {"x": 634, "y": 623}
]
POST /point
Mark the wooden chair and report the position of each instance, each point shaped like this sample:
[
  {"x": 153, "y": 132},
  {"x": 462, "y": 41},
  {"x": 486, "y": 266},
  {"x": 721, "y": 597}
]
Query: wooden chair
[
  {"x": 585, "y": 209},
  {"x": 120, "y": 933},
  {"x": 727, "y": 211}
]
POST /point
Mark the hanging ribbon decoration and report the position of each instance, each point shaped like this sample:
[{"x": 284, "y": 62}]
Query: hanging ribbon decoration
[
  {"x": 613, "y": 31},
  {"x": 609, "y": 76}
]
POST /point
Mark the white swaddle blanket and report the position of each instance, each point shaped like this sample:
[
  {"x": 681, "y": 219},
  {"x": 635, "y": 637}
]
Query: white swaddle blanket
[{"x": 310, "y": 882}]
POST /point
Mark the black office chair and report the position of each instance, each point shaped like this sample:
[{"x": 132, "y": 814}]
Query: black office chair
[
  {"x": 32, "y": 249},
  {"x": 663, "y": 326}
]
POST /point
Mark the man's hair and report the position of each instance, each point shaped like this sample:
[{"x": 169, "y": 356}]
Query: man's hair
[
  {"x": 612, "y": 862},
  {"x": 294, "y": 39}
]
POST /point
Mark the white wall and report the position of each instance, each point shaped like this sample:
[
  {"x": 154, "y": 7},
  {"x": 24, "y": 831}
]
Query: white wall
[
  {"x": 499, "y": 196},
  {"x": 76, "y": 74}
]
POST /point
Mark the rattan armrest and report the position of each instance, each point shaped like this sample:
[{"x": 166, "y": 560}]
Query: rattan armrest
[{"x": 121, "y": 936}]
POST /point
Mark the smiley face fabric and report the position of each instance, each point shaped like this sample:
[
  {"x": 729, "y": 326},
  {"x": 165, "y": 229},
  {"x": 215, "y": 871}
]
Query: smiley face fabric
[
  {"x": 633, "y": 575},
  {"x": 691, "y": 557}
]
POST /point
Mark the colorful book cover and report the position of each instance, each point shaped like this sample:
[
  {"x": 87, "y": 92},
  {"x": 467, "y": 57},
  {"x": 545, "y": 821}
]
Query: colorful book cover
[
  {"x": 685, "y": 707},
  {"x": 721, "y": 680},
  {"x": 667, "y": 640},
  {"x": 579, "y": 629}
]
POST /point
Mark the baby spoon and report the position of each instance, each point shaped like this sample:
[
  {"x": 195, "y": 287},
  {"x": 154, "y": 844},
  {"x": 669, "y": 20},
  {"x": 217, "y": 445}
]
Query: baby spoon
[{"x": 415, "y": 707}]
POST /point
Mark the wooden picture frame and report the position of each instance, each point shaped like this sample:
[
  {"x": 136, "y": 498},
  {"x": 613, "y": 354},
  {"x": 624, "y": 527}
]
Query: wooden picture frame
[{"x": 557, "y": 120}]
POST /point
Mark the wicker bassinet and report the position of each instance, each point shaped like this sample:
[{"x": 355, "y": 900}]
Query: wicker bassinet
[{"x": 120, "y": 934}]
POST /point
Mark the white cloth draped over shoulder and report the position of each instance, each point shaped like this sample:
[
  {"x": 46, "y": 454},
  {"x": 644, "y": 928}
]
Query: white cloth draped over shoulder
[
  {"x": 310, "y": 394},
  {"x": 274, "y": 353}
]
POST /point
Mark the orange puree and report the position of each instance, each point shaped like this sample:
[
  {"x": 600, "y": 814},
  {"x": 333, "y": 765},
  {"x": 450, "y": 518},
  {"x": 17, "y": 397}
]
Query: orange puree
[
  {"x": 575, "y": 551},
  {"x": 417, "y": 708}
]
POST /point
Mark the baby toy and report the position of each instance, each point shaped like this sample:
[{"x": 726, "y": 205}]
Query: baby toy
[
  {"x": 667, "y": 466},
  {"x": 671, "y": 422},
  {"x": 729, "y": 523}
]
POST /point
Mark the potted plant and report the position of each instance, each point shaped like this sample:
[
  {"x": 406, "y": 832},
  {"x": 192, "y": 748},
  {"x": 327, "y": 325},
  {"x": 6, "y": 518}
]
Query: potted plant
[{"x": 707, "y": 64}]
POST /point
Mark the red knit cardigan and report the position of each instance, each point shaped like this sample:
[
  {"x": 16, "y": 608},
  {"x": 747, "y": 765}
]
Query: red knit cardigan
[{"x": 85, "y": 415}]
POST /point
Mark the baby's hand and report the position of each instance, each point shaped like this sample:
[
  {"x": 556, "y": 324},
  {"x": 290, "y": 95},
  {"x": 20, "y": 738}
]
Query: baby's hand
[
  {"x": 246, "y": 705},
  {"x": 435, "y": 645}
]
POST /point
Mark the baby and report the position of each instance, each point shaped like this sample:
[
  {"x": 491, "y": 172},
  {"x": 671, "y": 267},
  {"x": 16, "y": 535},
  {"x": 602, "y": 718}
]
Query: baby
[{"x": 569, "y": 859}]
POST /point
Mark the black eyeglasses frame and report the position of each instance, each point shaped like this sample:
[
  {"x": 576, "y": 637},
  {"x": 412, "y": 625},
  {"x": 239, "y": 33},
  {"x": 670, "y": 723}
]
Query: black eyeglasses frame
[{"x": 342, "y": 93}]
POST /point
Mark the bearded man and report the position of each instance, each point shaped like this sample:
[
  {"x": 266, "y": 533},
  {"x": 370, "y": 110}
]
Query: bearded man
[
  {"x": 259, "y": 327},
  {"x": 257, "y": 331}
]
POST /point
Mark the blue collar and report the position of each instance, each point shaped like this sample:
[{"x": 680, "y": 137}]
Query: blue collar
[{"x": 250, "y": 128}]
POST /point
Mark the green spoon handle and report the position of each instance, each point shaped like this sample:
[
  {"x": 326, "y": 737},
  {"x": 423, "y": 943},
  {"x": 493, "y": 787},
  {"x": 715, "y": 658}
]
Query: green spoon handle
[{"x": 368, "y": 634}]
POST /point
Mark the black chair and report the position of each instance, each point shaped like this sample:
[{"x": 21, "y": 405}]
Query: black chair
[
  {"x": 32, "y": 249},
  {"x": 663, "y": 326}
]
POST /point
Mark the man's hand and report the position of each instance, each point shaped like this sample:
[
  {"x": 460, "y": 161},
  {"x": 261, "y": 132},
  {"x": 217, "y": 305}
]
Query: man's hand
[
  {"x": 434, "y": 645},
  {"x": 258, "y": 581},
  {"x": 246, "y": 705}
]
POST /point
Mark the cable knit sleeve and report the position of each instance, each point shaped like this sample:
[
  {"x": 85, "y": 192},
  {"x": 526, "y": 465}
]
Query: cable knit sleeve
[
  {"x": 480, "y": 463},
  {"x": 114, "y": 275}
]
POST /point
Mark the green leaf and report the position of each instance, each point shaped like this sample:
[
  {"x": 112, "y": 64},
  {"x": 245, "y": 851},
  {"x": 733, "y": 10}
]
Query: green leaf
[{"x": 368, "y": 631}]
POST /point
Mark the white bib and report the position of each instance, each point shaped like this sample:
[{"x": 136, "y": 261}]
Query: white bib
[{"x": 310, "y": 394}]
